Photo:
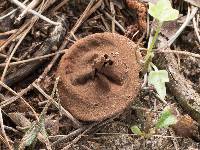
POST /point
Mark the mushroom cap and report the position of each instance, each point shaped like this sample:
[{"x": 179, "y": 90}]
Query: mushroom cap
[{"x": 99, "y": 76}]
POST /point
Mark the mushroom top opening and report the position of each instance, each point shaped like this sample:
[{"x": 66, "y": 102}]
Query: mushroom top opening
[{"x": 99, "y": 77}]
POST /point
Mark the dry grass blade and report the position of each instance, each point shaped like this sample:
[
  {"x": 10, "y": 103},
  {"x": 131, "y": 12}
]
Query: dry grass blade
[
  {"x": 3, "y": 132},
  {"x": 11, "y": 12},
  {"x": 28, "y": 24},
  {"x": 196, "y": 29},
  {"x": 13, "y": 52},
  {"x": 21, "y": 5},
  {"x": 32, "y": 5},
  {"x": 79, "y": 137},
  {"x": 66, "y": 137},
  {"x": 112, "y": 8},
  {"x": 88, "y": 11},
  {"x": 190, "y": 16},
  {"x": 116, "y": 22},
  {"x": 34, "y": 59},
  {"x": 61, "y": 4},
  {"x": 5, "y": 56},
  {"x": 184, "y": 53},
  {"x": 2, "y": 104},
  {"x": 65, "y": 112}
]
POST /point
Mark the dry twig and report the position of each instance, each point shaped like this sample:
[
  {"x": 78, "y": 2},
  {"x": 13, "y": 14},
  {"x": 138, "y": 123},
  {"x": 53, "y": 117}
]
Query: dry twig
[
  {"x": 4, "y": 133},
  {"x": 2, "y": 104},
  {"x": 65, "y": 112},
  {"x": 21, "y": 5}
]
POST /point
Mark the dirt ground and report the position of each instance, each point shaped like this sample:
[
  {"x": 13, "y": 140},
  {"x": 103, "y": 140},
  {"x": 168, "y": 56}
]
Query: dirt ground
[{"x": 31, "y": 48}]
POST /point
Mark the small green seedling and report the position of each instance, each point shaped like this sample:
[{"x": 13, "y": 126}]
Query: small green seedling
[
  {"x": 158, "y": 78},
  {"x": 136, "y": 130},
  {"x": 167, "y": 118},
  {"x": 162, "y": 11}
]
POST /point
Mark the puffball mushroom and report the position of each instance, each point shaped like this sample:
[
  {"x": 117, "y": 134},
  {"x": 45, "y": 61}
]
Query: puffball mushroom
[{"x": 99, "y": 76}]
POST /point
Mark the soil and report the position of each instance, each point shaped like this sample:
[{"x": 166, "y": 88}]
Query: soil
[{"x": 100, "y": 92}]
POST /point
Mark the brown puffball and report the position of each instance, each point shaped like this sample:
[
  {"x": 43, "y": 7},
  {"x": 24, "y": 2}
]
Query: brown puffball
[{"x": 99, "y": 76}]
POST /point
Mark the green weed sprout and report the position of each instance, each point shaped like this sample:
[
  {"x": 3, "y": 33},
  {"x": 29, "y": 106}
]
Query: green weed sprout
[
  {"x": 166, "y": 118},
  {"x": 161, "y": 11}
]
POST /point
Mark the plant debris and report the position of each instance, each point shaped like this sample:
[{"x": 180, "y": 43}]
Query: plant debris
[
  {"x": 187, "y": 127},
  {"x": 140, "y": 24}
]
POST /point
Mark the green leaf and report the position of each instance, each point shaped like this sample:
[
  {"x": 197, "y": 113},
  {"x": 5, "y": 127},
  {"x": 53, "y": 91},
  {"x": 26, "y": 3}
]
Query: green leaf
[
  {"x": 163, "y": 11},
  {"x": 136, "y": 130},
  {"x": 158, "y": 79},
  {"x": 166, "y": 118}
]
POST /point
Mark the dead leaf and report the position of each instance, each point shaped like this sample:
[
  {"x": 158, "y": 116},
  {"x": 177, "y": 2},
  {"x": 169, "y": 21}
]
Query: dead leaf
[
  {"x": 19, "y": 119},
  {"x": 52, "y": 125},
  {"x": 186, "y": 127}
]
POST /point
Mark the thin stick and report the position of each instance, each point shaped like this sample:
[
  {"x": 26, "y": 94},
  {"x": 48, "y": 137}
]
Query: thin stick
[
  {"x": 64, "y": 111},
  {"x": 104, "y": 22},
  {"x": 32, "y": 5},
  {"x": 196, "y": 29},
  {"x": 12, "y": 11},
  {"x": 8, "y": 14},
  {"x": 13, "y": 36},
  {"x": 112, "y": 8},
  {"x": 186, "y": 53},
  {"x": 8, "y": 33},
  {"x": 66, "y": 137},
  {"x": 79, "y": 137},
  {"x": 21, "y": 5},
  {"x": 61, "y": 4},
  {"x": 5, "y": 56},
  {"x": 116, "y": 22},
  {"x": 14, "y": 98},
  {"x": 83, "y": 16},
  {"x": 33, "y": 59},
  {"x": 187, "y": 21},
  {"x": 13, "y": 52},
  {"x": 23, "y": 100},
  {"x": 3, "y": 132}
]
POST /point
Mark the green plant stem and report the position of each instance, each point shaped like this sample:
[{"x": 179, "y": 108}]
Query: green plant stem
[{"x": 150, "y": 52}]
